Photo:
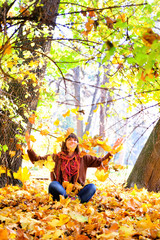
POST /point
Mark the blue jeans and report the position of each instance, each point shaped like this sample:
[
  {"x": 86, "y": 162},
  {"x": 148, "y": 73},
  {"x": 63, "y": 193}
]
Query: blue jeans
[{"x": 85, "y": 194}]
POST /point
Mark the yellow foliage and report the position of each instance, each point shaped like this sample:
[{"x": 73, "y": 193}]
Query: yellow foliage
[
  {"x": 80, "y": 117},
  {"x": 75, "y": 110},
  {"x": 44, "y": 132},
  {"x": 12, "y": 153},
  {"x": 56, "y": 123},
  {"x": 23, "y": 174},
  {"x": 101, "y": 175}
]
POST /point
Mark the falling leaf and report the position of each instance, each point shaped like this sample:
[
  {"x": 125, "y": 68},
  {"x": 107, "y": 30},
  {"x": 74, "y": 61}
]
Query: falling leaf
[
  {"x": 75, "y": 110},
  {"x": 44, "y": 132},
  {"x": 80, "y": 117},
  {"x": 32, "y": 118},
  {"x": 118, "y": 142},
  {"x": 25, "y": 157},
  {"x": 32, "y": 138},
  {"x": 96, "y": 109},
  {"x": 22, "y": 174},
  {"x": 68, "y": 132},
  {"x": 56, "y": 123},
  {"x": 67, "y": 114},
  {"x": 101, "y": 175}
]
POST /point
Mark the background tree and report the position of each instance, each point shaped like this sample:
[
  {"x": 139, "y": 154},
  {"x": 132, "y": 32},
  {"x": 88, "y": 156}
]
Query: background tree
[{"x": 146, "y": 169}]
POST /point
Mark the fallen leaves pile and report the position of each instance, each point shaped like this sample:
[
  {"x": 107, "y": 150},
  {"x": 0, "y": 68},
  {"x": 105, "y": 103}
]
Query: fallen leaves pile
[{"x": 113, "y": 213}]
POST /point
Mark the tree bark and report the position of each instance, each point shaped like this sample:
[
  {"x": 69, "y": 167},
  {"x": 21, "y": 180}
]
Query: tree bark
[
  {"x": 77, "y": 88},
  {"x": 146, "y": 171}
]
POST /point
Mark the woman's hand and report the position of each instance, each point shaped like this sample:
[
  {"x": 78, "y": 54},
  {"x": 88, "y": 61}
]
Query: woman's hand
[{"x": 28, "y": 141}]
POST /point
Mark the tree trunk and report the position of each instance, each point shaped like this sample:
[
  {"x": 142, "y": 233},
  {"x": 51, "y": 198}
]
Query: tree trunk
[
  {"x": 16, "y": 93},
  {"x": 146, "y": 171},
  {"x": 77, "y": 88},
  {"x": 93, "y": 105}
]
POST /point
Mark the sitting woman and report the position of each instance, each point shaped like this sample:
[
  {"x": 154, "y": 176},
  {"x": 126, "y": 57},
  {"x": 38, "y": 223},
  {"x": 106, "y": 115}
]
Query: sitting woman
[{"x": 70, "y": 167}]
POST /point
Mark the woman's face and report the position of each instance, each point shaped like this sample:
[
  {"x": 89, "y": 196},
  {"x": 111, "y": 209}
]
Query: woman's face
[{"x": 71, "y": 144}]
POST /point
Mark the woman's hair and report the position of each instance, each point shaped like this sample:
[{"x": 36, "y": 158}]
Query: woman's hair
[{"x": 64, "y": 147}]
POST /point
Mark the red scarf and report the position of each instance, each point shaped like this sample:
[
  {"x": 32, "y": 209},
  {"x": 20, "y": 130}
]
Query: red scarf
[{"x": 69, "y": 166}]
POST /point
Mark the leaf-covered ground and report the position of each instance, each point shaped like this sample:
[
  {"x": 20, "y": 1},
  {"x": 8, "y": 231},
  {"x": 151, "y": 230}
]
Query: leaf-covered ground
[{"x": 113, "y": 213}]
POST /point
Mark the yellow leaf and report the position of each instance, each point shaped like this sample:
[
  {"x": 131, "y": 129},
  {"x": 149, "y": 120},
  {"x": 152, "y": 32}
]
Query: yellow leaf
[
  {"x": 63, "y": 219},
  {"x": 56, "y": 123},
  {"x": 67, "y": 114},
  {"x": 69, "y": 131},
  {"x": 68, "y": 186},
  {"x": 86, "y": 123},
  {"x": 22, "y": 174},
  {"x": 126, "y": 231},
  {"x": 80, "y": 117},
  {"x": 50, "y": 164},
  {"x": 75, "y": 110},
  {"x": 12, "y": 153},
  {"x": 44, "y": 132},
  {"x": 96, "y": 109},
  {"x": 25, "y": 157},
  {"x": 101, "y": 175},
  {"x": 32, "y": 138}
]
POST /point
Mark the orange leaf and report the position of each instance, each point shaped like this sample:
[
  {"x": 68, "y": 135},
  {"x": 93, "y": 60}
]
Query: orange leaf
[
  {"x": 44, "y": 132},
  {"x": 122, "y": 17},
  {"x": 118, "y": 142},
  {"x": 3, "y": 234},
  {"x": 67, "y": 114},
  {"x": 82, "y": 237},
  {"x": 91, "y": 12},
  {"x": 12, "y": 153},
  {"x": 24, "y": 11},
  {"x": 7, "y": 48},
  {"x": 89, "y": 25},
  {"x": 32, "y": 118},
  {"x": 18, "y": 146},
  {"x": 110, "y": 22}
]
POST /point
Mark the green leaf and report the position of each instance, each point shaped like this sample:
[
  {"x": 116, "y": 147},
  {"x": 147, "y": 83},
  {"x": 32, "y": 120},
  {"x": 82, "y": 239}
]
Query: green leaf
[{"x": 5, "y": 148}]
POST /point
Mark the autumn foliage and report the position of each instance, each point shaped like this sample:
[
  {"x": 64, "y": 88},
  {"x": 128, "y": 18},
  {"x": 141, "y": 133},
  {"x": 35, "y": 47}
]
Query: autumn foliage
[{"x": 113, "y": 213}]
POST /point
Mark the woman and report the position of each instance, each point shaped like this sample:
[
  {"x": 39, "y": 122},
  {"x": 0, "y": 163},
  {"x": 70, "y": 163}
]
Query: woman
[{"x": 70, "y": 167}]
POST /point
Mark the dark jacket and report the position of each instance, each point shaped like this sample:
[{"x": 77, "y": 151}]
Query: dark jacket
[{"x": 85, "y": 162}]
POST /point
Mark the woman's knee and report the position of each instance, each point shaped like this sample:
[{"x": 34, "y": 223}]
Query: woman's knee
[
  {"x": 53, "y": 186},
  {"x": 92, "y": 187}
]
